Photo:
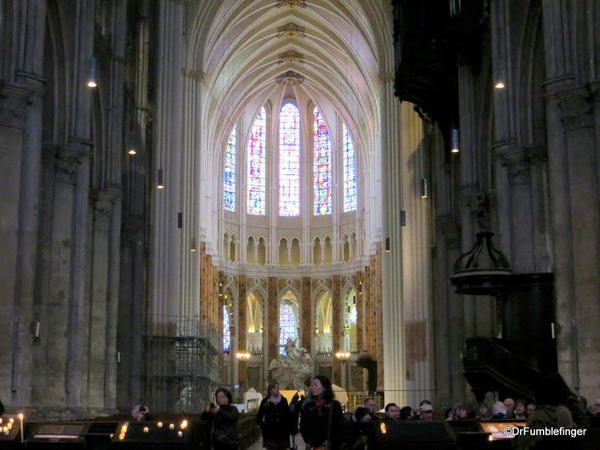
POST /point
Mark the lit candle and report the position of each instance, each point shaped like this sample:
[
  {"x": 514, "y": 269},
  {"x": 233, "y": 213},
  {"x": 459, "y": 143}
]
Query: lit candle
[
  {"x": 21, "y": 420},
  {"x": 184, "y": 424},
  {"x": 145, "y": 429},
  {"x": 159, "y": 424},
  {"x": 179, "y": 433},
  {"x": 172, "y": 426}
]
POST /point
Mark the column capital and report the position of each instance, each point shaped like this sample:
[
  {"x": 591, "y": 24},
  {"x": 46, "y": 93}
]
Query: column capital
[
  {"x": 517, "y": 160},
  {"x": 67, "y": 160},
  {"x": 105, "y": 199},
  {"x": 14, "y": 100},
  {"x": 576, "y": 108},
  {"x": 477, "y": 202}
]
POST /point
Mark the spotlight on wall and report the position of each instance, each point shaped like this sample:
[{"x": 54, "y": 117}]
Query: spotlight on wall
[
  {"x": 424, "y": 188},
  {"x": 388, "y": 247},
  {"x": 92, "y": 80},
  {"x": 454, "y": 141},
  {"x": 159, "y": 182},
  {"x": 499, "y": 85}
]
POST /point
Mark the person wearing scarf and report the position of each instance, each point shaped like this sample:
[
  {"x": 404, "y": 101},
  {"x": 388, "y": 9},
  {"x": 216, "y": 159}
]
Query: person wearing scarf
[{"x": 274, "y": 419}]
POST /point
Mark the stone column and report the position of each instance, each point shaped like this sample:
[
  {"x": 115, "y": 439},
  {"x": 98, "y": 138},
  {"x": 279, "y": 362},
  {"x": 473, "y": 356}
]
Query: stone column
[
  {"x": 166, "y": 243},
  {"x": 573, "y": 182},
  {"x": 583, "y": 187},
  {"x": 337, "y": 338},
  {"x": 392, "y": 203},
  {"x": 273, "y": 320},
  {"x": 242, "y": 327},
  {"x": 305, "y": 319},
  {"x": 21, "y": 108}
]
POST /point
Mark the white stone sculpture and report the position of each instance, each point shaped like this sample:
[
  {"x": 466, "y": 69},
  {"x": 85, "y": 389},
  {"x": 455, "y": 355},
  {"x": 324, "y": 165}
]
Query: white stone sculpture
[{"x": 292, "y": 369}]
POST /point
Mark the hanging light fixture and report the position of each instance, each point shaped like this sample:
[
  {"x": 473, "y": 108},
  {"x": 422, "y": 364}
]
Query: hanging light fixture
[
  {"x": 387, "y": 245},
  {"x": 159, "y": 182},
  {"x": 193, "y": 245},
  {"x": 454, "y": 141},
  {"x": 424, "y": 188},
  {"x": 499, "y": 85},
  {"x": 92, "y": 80}
]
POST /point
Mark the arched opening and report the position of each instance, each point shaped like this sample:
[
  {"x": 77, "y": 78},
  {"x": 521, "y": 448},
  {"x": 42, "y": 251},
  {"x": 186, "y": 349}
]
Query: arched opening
[
  {"x": 317, "y": 252},
  {"x": 262, "y": 252},
  {"x": 289, "y": 323},
  {"x": 328, "y": 251},
  {"x": 251, "y": 251},
  {"x": 254, "y": 321},
  {"x": 350, "y": 321},
  {"x": 295, "y": 252},
  {"x": 283, "y": 252},
  {"x": 233, "y": 249},
  {"x": 324, "y": 322}
]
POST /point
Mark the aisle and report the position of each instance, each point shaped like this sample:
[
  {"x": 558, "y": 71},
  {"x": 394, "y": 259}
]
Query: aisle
[{"x": 258, "y": 444}]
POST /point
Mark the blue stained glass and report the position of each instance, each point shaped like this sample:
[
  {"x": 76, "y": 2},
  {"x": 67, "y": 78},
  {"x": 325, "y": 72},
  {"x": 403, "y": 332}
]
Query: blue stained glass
[
  {"x": 226, "y": 330},
  {"x": 288, "y": 325},
  {"x": 257, "y": 166},
  {"x": 350, "y": 186},
  {"x": 289, "y": 160},
  {"x": 230, "y": 172},
  {"x": 321, "y": 166}
]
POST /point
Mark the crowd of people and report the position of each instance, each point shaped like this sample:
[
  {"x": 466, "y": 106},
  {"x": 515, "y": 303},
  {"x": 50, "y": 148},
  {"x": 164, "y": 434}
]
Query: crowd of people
[{"x": 319, "y": 418}]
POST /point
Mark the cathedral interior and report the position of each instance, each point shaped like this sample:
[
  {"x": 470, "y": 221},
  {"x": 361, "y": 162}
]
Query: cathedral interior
[{"x": 405, "y": 193}]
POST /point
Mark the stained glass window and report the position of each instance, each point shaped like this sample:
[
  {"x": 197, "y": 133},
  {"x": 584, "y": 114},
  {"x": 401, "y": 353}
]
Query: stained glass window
[
  {"x": 350, "y": 189},
  {"x": 229, "y": 172},
  {"x": 289, "y": 160},
  {"x": 288, "y": 325},
  {"x": 321, "y": 165},
  {"x": 257, "y": 165},
  {"x": 226, "y": 330}
]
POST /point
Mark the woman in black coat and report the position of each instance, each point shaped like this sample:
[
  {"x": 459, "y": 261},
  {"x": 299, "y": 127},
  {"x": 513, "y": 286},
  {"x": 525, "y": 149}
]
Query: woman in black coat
[
  {"x": 274, "y": 419},
  {"x": 321, "y": 417},
  {"x": 224, "y": 417}
]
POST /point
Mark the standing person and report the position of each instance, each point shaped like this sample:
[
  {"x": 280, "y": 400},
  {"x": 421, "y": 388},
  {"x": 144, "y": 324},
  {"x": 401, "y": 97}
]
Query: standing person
[
  {"x": 321, "y": 417},
  {"x": 141, "y": 413},
  {"x": 274, "y": 419},
  {"x": 224, "y": 417}
]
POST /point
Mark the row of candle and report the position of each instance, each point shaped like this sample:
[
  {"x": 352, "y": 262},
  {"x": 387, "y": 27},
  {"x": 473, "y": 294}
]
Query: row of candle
[{"x": 183, "y": 425}]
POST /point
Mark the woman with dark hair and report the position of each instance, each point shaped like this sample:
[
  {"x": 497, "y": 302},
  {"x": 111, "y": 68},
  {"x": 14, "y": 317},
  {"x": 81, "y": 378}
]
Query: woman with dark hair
[
  {"x": 224, "y": 417},
  {"x": 321, "y": 417},
  {"x": 274, "y": 419}
]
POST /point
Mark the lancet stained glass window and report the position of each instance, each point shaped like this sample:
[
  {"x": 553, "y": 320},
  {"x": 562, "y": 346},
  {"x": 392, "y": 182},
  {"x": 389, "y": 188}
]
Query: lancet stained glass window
[
  {"x": 321, "y": 165},
  {"x": 289, "y": 160},
  {"x": 350, "y": 189},
  {"x": 288, "y": 325},
  {"x": 230, "y": 172},
  {"x": 257, "y": 165},
  {"x": 226, "y": 330}
]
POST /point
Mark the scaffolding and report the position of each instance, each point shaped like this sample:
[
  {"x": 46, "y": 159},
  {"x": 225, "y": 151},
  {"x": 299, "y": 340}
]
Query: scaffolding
[{"x": 182, "y": 365}]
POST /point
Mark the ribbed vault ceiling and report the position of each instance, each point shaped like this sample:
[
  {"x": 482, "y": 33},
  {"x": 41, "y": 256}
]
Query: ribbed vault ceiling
[{"x": 242, "y": 49}]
